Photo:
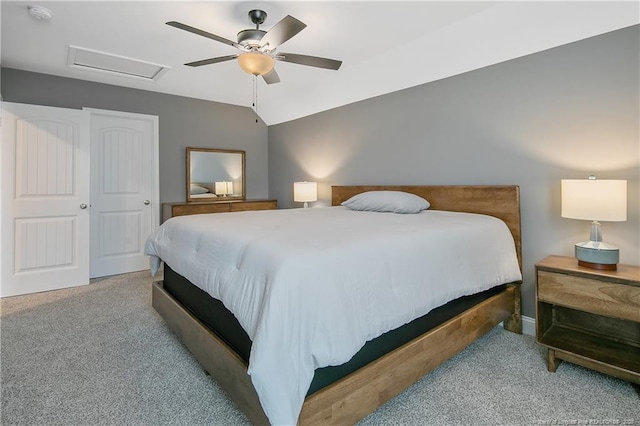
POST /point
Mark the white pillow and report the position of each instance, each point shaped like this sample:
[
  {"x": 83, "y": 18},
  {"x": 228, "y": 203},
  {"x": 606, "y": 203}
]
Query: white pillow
[
  {"x": 387, "y": 201},
  {"x": 197, "y": 189}
]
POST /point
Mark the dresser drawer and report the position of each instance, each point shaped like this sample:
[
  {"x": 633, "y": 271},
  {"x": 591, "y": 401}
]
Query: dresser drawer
[
  {"x": 254, "y": 205},
  {"x": 187, "y": 209},
  {"x": 590, "y": 295}
]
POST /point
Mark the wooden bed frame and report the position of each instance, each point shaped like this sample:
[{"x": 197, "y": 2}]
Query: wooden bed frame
[{"x": 360, "y": 393}]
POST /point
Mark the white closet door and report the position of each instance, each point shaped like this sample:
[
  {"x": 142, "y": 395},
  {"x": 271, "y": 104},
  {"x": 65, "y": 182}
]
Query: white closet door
[
  {"x": 124, "y": 207},
  {"x": 45, "y": 198}
]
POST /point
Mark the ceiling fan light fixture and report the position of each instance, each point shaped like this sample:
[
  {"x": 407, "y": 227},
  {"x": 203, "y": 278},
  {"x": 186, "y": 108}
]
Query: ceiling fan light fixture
[{"x": 256, "y": 63}]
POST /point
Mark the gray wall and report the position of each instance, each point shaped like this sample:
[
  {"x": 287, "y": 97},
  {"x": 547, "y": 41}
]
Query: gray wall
[
  {"x": 183, "y": 122},
  {"x": 562, "y": 113}
]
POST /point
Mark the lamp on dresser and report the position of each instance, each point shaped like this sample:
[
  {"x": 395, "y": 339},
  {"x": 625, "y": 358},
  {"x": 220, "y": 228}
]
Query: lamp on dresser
[
  {"x": 224, "y": 188},
  {"x": 595, "y": 200},
  {"x": 304, "y": 192}
]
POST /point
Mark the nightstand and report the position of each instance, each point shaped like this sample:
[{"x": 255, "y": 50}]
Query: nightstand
[{"x": 589, "y": 317}]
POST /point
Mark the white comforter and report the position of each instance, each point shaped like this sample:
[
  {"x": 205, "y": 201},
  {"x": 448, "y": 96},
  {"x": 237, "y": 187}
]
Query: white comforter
[{"x": 311, "y": 286}]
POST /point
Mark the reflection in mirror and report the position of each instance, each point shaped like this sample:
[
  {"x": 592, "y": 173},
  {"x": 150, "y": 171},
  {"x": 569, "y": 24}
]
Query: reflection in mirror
[{"x": 215, "y": 174}]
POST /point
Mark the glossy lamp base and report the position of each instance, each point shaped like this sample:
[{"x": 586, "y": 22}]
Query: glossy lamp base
[{"x": 597, "y": 255}]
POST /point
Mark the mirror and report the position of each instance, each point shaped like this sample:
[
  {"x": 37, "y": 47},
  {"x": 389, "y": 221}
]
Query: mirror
[{"x": 215, "y": 175}]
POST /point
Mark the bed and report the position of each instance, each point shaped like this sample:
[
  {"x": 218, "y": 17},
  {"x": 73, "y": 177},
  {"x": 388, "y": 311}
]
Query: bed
[{"x": 351, "y": 394}]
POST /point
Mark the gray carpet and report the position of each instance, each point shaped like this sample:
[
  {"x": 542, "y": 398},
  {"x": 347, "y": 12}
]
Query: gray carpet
[{"x": 99, "y": 354}]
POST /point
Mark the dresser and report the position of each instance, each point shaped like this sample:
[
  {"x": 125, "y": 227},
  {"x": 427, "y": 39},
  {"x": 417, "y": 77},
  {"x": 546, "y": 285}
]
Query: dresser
[
  {"x": 170, "y": 210},
  {"x": 589, "y": 317}
]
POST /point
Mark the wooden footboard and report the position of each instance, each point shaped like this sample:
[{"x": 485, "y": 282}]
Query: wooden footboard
[{"x": 360, "y": 393}]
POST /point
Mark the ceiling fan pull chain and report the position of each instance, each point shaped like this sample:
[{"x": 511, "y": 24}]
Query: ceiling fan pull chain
[{"x": 255, "y": 95}]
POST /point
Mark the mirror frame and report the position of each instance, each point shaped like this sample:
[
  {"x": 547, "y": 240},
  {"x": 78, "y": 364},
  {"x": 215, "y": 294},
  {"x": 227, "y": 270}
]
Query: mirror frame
[{"x": 215, "y": 199}]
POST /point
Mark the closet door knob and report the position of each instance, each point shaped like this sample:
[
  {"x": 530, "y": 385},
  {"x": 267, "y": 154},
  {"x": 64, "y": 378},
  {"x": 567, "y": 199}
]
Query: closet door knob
[
  {"x": 146, "y": 202},
  {"x": 83, "y": 206}
]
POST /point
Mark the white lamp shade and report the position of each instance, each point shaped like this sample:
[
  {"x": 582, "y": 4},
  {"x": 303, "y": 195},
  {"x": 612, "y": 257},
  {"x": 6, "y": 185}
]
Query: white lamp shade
[
  {"x": 305, "y": 191},
  {"x": 594, "y": 199}
]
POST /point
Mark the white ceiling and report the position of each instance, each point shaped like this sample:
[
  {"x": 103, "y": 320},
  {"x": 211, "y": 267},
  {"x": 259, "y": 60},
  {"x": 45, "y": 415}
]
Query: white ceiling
[{"x": 384, "y": 46}]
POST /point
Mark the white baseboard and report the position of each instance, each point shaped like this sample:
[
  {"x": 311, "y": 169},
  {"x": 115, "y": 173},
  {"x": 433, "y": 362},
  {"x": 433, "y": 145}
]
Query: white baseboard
[{"x": 528, "y": 326}]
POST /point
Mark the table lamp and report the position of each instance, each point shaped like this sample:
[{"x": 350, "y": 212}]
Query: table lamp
[
  {"x": 595, "y": 200},
  {"x": 224, "y": 188},
  {"x": 303, "y": 192}
]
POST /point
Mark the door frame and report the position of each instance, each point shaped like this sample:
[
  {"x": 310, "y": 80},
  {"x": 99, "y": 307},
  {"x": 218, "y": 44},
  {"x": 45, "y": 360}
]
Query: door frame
[{"x": 154, "y": 119}]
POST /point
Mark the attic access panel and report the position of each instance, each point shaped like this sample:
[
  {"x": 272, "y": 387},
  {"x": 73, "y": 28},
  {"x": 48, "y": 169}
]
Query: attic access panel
[{"x": 94, "y": 60}]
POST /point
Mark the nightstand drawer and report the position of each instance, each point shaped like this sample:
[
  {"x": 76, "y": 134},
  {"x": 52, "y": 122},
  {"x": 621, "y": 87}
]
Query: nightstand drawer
[{"x": 590, "y": 295}]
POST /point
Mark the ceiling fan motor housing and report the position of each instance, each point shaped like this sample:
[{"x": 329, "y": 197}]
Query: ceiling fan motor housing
[{"x": 251, "y": 37}]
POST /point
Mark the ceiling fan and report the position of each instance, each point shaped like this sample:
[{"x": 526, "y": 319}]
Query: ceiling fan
[{"x": 258, "y": 47}]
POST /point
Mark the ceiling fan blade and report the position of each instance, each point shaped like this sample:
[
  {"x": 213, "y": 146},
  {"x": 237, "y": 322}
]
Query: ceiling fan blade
[
  {"x": 271, "y": 77},
  {"x": 311, "y": 61},
  {"x": 204, "y": 34},
  {"x": 286, "y": 28},
  {"x": 211, "y": 61}
]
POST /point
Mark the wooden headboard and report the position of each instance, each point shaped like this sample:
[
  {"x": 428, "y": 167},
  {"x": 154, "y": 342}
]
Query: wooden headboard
[{"x": 501, "y": 201}]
